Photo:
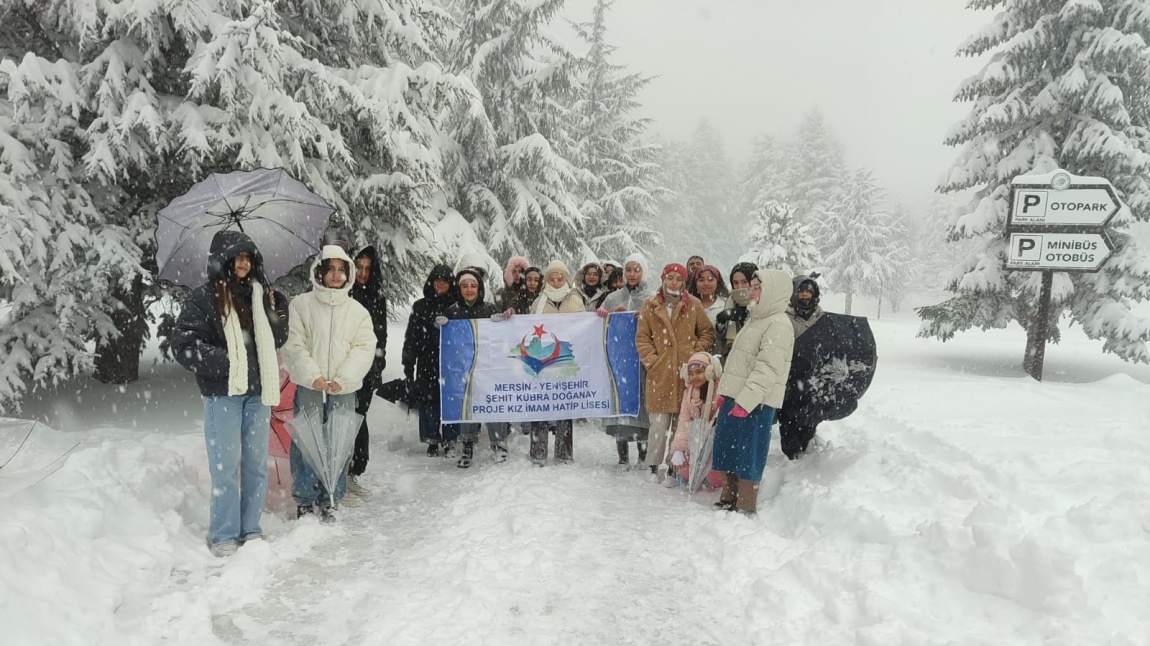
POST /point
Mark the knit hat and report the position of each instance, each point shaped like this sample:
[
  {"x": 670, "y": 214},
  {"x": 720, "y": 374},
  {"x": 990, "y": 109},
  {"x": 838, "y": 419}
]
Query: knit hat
[
  {"x": 558, "y": 266},
  {"x": 676, "y": 268}
]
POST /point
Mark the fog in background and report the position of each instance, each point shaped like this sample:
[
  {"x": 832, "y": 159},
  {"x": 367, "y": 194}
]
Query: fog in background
[{"x": 883, "y": 72}]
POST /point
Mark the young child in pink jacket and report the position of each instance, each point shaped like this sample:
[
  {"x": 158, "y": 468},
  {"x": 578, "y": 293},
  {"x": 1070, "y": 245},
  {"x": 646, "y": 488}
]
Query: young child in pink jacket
[{"x": 701, "y": 372}]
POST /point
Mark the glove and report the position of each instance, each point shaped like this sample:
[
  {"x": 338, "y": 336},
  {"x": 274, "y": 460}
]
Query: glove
[
  {"x": 678, "y": 458},
  {"x": 440, "y": 321},
  {"x": 739, "y": 412},
  {"x": 602, "y": 313}
]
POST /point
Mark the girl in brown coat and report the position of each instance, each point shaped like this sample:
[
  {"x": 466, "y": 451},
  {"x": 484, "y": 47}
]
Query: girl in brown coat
[{"x": 672, "y": 326}]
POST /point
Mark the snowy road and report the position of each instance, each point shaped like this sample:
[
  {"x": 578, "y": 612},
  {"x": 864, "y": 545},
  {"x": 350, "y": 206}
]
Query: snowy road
[{"x": 962, "y": 504}]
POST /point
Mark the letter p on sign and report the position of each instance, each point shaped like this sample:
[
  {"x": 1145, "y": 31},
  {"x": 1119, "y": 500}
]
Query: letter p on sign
[{"x": 1028, "y": 247}]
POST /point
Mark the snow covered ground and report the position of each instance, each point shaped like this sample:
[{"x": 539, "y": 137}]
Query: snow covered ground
[{"x": 964, "y": 504}]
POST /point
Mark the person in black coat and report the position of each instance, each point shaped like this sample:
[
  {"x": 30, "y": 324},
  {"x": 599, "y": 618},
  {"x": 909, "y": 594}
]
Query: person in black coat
[
  {"x": 368, "y": 291},
  {"x": 471, "y": 304},
  {"x": 227, "y": 333},
  {"x": 421, "y": 354}
]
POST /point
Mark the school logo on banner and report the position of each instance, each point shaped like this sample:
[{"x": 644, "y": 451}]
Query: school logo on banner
[
  {"x": 557, "y": 358},
  {"x": 538, "y": 368}
]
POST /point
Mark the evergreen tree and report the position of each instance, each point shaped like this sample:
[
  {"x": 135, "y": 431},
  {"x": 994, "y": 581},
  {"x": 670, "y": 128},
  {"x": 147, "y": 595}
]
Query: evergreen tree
[
  {"x": 857, "y": 234},
  {"x": 765, "y": 179},
  {"x": 700, "y": 218},
  {"x": 1067, "y": 86},
  {"x": 779, "y": 241},
  {"x": 112, "y": 111},
  {"x": 816, "y": 168},
  {"x": 625, "y": 198},
  {"x": 509, "y": 171},
  {"x": 900, "y": 267}
]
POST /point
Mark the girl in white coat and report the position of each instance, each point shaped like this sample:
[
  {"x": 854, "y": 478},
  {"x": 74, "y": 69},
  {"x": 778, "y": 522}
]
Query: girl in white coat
[{"x": 330, "y": 348}]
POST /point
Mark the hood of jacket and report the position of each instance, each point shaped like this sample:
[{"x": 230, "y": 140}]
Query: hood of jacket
[
  {"x": 439, "y": 272},
  {"x": 475, "y": 273},
  {"x": 374, "y": 284},
  {"x": 776, "y": 293},
  {"x": 326, "y": 294},
  {"x": 228, "y": 244},
  {"x": 515, "y": 262}
]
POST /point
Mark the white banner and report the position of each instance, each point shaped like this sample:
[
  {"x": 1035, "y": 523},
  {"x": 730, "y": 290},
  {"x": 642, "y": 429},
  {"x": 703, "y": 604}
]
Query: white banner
[{"x": 540, "y": 367}]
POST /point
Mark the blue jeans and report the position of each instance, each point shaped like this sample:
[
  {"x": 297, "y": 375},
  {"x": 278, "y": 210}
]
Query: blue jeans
[
  {"x": 306, "y": 487},
  {"x": 236, "y": 432}
]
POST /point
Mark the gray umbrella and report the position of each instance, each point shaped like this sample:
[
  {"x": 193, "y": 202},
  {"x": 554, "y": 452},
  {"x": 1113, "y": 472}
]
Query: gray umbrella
[{"x": 282, "y": 217}]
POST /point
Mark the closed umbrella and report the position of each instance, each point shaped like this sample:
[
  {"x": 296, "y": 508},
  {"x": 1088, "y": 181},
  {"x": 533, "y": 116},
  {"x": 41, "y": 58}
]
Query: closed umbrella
[
  {"x": 326, "y": 445},
  {"x": 283, "y": 218}
]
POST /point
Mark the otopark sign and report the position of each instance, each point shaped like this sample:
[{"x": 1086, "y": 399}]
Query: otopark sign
[{"x": 1056, "y": 223}]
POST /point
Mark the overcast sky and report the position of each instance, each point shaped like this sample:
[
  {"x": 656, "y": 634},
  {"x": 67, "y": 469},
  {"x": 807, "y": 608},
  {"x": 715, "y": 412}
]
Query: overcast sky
[{"x": 882, "y": 71}]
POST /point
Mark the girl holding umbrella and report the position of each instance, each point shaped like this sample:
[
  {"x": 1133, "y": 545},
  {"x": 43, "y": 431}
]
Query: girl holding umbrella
[
  {"x": 330, "y": 348},
  {"x": 227, "y": 334}
]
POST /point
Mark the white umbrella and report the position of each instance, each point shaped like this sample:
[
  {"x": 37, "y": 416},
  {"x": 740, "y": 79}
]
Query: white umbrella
[{"x": 326, "y": 446}]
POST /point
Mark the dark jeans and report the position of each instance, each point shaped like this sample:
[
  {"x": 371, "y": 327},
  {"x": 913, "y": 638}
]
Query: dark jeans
[
  {"x": 795, "y": 438},
  {"x": 564, "y": 440},
  {"x": 360, "y": 455},
  {"x": 430, "y": 429}
]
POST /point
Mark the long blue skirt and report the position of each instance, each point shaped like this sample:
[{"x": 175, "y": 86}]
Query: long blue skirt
[{"x": 741, "y": 445}]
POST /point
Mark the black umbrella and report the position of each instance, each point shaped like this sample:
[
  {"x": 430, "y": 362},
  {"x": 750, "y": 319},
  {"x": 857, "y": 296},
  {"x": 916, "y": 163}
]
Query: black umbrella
[
  {"x": 397, "y": 391},
  {"x": 832, "y": 367}
]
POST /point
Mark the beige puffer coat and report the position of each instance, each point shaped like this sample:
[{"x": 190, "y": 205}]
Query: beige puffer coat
[{"x": 760, "y": 360}]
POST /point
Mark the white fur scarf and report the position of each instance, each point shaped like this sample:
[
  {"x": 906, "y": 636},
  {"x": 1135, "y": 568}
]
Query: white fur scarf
[{"x": 265, "y": 351}]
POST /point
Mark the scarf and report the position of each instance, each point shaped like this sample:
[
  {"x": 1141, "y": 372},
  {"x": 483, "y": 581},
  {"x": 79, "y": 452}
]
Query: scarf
[
  {"x": 265, "y": 351},
  {"x": 554, "y": 296}
]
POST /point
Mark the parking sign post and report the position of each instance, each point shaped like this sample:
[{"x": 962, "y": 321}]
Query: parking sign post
[{"x": 1056, "y": 223}]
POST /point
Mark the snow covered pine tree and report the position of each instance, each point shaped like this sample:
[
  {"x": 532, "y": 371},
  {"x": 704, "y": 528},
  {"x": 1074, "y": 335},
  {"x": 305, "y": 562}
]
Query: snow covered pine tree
[
  {"x": 1068, "y": 86},
  {"x": 779, "y": 241},
  {"x": 110, "y": 111}
]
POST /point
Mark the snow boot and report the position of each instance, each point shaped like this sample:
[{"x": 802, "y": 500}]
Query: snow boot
[
  {"x": 449, "y": 450},
  {"x": 327, "y": 514},
  {"x": 433, "y": 450},
  {"x": 500, "y": 453},
  {"x": 468, "y": 453},
  {"x": 748, "y": 498},
  {"x": 642, "y": 446},
  {"x": 303, "y": 510},
  {"x": 356, "y": 489},
  {"x": 624, "y": 451},
  {"x": 724, "y": 505}
]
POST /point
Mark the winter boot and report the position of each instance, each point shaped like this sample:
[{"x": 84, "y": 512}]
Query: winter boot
[
  {"x": 449, "y": 450},
  {"x": 356, "y": 489},
  {"x": 642, "y": 446},
  {"x": 468, "y": 453},
  {"x": 500, "y": 451},
  {"x": 730, "y": 494},
  {"x": 624, "y": 451},
  {"x": 350, "y": 500},
  {"x": 303, "y": 510},
  {"x": 327, "y": 514},
  {"x": 748, "y": 497},
  {"x": 433, "y": 450}
]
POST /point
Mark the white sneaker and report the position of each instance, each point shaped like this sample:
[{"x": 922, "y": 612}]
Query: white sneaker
[
  {"x": 223, "y": 549},
  {"x": 356, "y": 489}
]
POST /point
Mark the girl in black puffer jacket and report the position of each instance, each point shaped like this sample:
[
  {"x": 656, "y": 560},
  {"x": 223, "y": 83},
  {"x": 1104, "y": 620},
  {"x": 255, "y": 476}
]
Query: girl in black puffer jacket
[{"x": 421, "y": 353}]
